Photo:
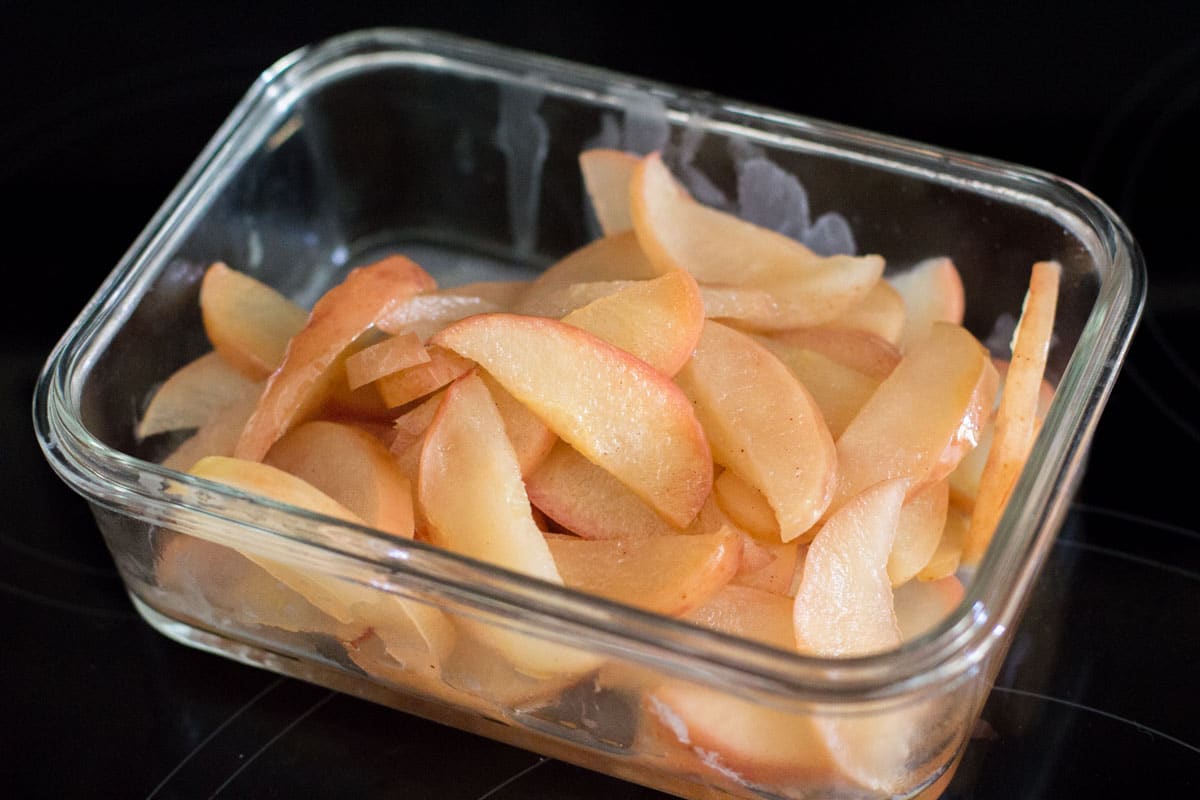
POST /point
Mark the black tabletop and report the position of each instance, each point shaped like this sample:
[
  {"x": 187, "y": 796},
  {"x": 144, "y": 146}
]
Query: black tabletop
[{"x": 102, "y": 110}]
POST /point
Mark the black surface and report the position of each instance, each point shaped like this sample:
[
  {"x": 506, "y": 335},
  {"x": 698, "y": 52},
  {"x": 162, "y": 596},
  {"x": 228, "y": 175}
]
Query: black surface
[{"x": 102, "y": 110}]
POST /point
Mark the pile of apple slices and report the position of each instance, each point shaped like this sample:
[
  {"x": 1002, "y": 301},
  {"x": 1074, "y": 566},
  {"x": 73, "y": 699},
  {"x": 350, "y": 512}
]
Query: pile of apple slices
[{"x": 691, "y": 415}]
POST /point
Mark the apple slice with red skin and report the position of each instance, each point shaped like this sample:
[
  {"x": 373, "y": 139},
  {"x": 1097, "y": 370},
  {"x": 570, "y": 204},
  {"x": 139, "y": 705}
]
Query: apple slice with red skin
[
  {"x": 762, "y": 424},
  {"x": 413, "y": 383},
  {"x": 247, "y": 322},
  {"x": 310, "y": 371},
  {"x": 615, "y": 409},
  {"x": 471, "y": 494}
]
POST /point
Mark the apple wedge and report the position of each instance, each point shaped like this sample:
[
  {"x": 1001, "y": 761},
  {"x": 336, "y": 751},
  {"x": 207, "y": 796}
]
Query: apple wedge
[
  {"x": 844, "y": 605},
  {"x": 383, "y": 358},
  {"x": 606, "y": 176},
  {"x": 413, "y": 383},
  {"x": 1016, "y": 418},
  {"x": 471, "y": 493},
  {"x": 615, "y": 409},
  {"x": 216, "y": 437},
  {"x": 194, "y": 394},
  {"x": 922, "y": 520},
  {"x": 247, "y": 322},
  {"x": 750, "y": 613},
  {"x": 780, "y": 576},
  {"x": 353, "y": 468},
  {"x": 423, "y": 315},
  {"x": 746, "y": 506},
  {"x": 311, "y": 371},
  {"x": 668, "y": 575},
  {"x": 658, "y": 320},
  {"x": 861, "y": 351},
  {"x": 922, "y": 605},
  {"x": 839, "y": 391},
  {"x": 880, "y": 313},
  {"x": 932, "y": 291},
  {"x": 613, "y": 258},
  {"x": 763, "y": 425},
  {"x": 676, "y": 232},
  {"x": 946, "y": 558},
  {"x": 923, "y": 418}
]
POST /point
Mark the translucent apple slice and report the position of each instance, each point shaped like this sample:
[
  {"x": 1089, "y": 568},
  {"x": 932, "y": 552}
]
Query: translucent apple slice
[
  {"x": 613, "y": 408},
  {"x": 530, "y": 438},
  {"x": 861, "y": 351},
  {"x": 502, "y": 294},
  {"x": 839, "y": 391},
  {"x": 216, "y": 437},
  {"x": 844, "y": 605},
  {"x": 311, "y": 369},
  {"x": 658, "y": 321},
  {"x": 922, "y": 605},
  {"x": 763, "y": 425},
  {"x": 247, "y": 322},
  {"x": 781, "y": 576},
  {"x": 922, "y": 520},
  {"x": 932, "y": 291},
  {"x": 880, "y": 313},
  {"x": 606, "y": 176},
  {"x": 923, "y": 418},
  {"x": 383, "y": 358},
  {"x": 676, "y": 232},
  {"x": 667, "y": 575},
  {"x": 353, "y": 468},
  {"x": 471, "y": 493},
  {"x": 613, "y": 258},
  {"x": 1016, "y": 418},
  {"x": 194, "y": 394},
  {"x": 750, "y": 613},
  {"x": 746, "y": 506},
  {"x": 423, "y": 315},
  {"x": 946, "y": 558},
  {"x": 401, "y": 388}
]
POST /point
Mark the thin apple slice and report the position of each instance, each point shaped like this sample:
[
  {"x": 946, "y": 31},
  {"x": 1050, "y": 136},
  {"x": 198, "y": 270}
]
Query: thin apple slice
[
  {"x": 194, "y": 394},
  {"x": 658, "y": 321},
  {"x": 409, "y": 428},
  {"x": 530, "y": 438},
  {"x": 844, "y": 605},
  {"x": 443, "y": 367},
  {"x": 880, "y": 313},
  {"x": 504, "y": 295},
  {"x": 781, "y": 576},
  {"x": 352, "y": 467},
  {"x": 613, "y": 258},
  {"x": 676, "y": 232},
  {"x": 922, "y": 605},
  {"x": 1016, "y": 418},
  {"x": 923, "y": 418},
  {"x": 310, "y": 371},
  {"x": 839, "y": 391},
  {"x": 216, "y": 437},
  {"x": 922, "y": 520},
  {"x": 247, "y": 322},
  {"x": 750, "y": 613},
  {"x": 946, "y": 558},
  {"x": 932, "y": 291},
  {"x": 383, "y": 358},
  {"x": 423, "y": 315},
  {"x": 738, "y": 302},
  {"x": 862, "y": 351},
  {"x": 964, "y": 480},
  {"x": 471, "y": 493},
  {"x": 746, "y": 506},
  {"x": 613, "y": 408},
  {"x": 606, "y": 176},
  {"x": 668, "y": 575},
  {"x": 763, "y": 425}
]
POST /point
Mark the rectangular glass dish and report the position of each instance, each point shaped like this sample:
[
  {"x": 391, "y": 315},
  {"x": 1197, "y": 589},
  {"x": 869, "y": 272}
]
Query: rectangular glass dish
[{"x": 464, "y": 157}]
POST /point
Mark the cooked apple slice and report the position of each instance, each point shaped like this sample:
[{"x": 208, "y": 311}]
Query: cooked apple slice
[
  {"x": 762, "y": 424},
  {"x": 1016, "y": 418},
  {"x": 310, "y": 371},
  {"x": 667, "y": 575},
  {"x": 844, "y": 605},
  {"x": 839, "y": 391},
  {"x": 216, "y": 437},
  {"x": 530, "y": 438},
  {"x": 880, "y": 313},
  {"x": 613, "y": 408},
  {"x": 194, "y": 394},
  {"x": 471, "y": 493},
  {"x": 676, "y": 232},
  {"x": 247, "y": 322},
  {"x": 922, "y": 520},
  {"x": 613, "y": 258},
  {"x": 746, "y": 506},
  {"x": 352, "y": 467},
  {"x": 606, "y": 175},
  {"x": 964, "y": 480},
  {"x": 658, "y": 321},
  {"x": 922, "y": 605},
  {"x": 946, "y": 558},
  {"x": 781, "y": 576},
  {"x": 861, "y": 351},
  {"x": 383, "y": 358},
  {"x": 750, "y": 613},
  {"x": 423, "y": 315},
  {"x": 923, "y": 418},
  {"x": 932, "y": 291},
  {"x": 504, "y": 295},
  {"x": 401, "y": 388}
]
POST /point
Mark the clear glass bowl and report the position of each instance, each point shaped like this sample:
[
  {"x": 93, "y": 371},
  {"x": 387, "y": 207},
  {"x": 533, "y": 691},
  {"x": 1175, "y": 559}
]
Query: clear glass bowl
[{"x": 464, "y": 156}]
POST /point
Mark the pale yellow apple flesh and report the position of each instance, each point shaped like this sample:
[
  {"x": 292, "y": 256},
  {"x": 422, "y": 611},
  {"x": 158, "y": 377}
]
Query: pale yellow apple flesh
[
  {"x": 194, "y": 394},
  {"x": 839, "y": 391},
  {"x": 247, "y": 322},
  {"x": 413, "y": 383},
  {"x": 918, "y": 532},
  {"x": 216, "y": 437},
  {"x": 923, "y": 605},
  {"x": 606, "y": 176},
  {"x": 881, "y": 313},
  {"x": 862, "y": 351},
  {"x": 614, "y": 258},
  {"x": 383, "y": 358},
  {"x": 746, "y": 506},
  {"x": 932, "y": 291}
]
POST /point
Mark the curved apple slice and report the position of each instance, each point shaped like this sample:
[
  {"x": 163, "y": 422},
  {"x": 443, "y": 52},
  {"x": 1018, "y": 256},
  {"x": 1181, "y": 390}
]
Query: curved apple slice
[
  {"x": 781, "y": 576},
  {"x": 352, "y": 467},
  {"x": 443, "y": 367},
  {"x": 746, "y": 506},
  {"x": 247, "y": 322},
  {"x": 471, "y": 493},
  {"x": 676, "y": 232},
  {"x": 606, "y": 176},
  {"x": 667, "y": 575},
  {"x": 311, "y": 371},
  {"x": 932, "y": 291},
  {"x": 844, "y": 605},
  {"x": 502, "y": 294},
  {"x": 531, "y": 439},
  {"x": 881, "y": 313},
  {"x": 613, "y": 258},
  {"x": 423, "y": 315},
  {"x": 922, "y": 520},
  {"x": 194, "y": 394},
  {"x": 946, "y": 558},
  {"x": 658, "y": 321},
  {"x": 763, "y": 425},
  {"x": 921, "y": 605},
  {"x": 861, "y": 351},
  {"x": 383, "y": 358},
  {"x": 923, "y": 418},
  {"x": 1016, "y": 418},
  {"x": 839, "y": 391},
  {"x": 750, "y": 613},
  {"x": 613, "y": 408},
  {"x": 216, "y": 437}
]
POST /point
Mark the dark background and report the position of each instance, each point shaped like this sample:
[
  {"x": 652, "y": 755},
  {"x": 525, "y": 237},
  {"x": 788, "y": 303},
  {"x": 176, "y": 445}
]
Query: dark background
[{"x": 103, "y": 108}]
